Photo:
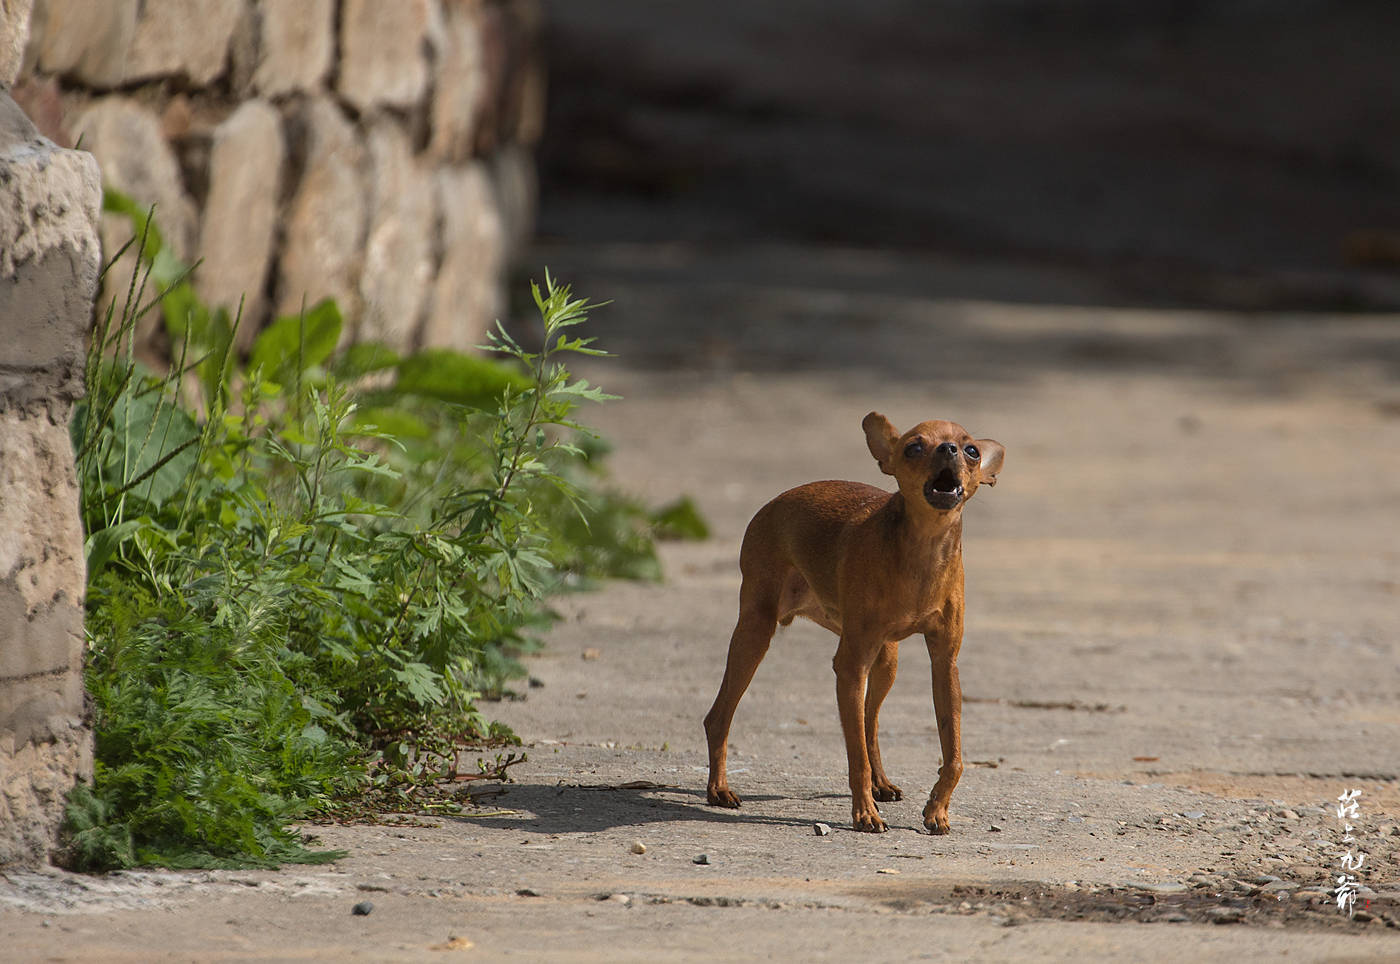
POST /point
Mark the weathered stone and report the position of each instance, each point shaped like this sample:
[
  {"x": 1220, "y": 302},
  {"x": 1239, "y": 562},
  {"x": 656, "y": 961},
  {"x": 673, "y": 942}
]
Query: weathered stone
[
  {"x": 14, "y": 34},
  {"x": 288, "y": 47},
  {"x": 459, "y": 81},
  {"x": 531, "y": 101},
  {"x": 41, "y": 99},
  {"x": 325, "y": 223},
  {"x": 240, "y": 214},
  {"x": 107, "y": 43},
  {"x": 177, "y": 120},
  {"x": 512, "y": 108},
  {"x": 382, "y": 60},
  {"x": 36, "y": 779},
  {"x": 399, "y": 247},
  {"x": 469, "y": 292},
  {"x": 495, "y": 58},
  {"x": 125, "y": 137},
  {"x": 516, "y": 183},
  {"x": 41, "y": 559},
  {"x": 49, "y": 201},
  {"x": 34, "y": 28},
  {"x": 336, "y": 68},
  {"x": 41, "y": 209},
  {"x": 528, "y": 74},
  {"x": 87, "y": 39},
  {"x": 182, "y": 38}
]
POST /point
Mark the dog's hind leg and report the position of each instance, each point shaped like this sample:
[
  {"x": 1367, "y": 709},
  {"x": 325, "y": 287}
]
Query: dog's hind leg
[{"x": 758, "y": 619}]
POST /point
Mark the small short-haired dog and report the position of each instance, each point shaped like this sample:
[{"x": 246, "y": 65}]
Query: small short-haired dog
[{"x": 873, "y": 567}]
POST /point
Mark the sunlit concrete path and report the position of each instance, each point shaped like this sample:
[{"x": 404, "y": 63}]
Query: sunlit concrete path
[{"x": 1181, "y": 648}]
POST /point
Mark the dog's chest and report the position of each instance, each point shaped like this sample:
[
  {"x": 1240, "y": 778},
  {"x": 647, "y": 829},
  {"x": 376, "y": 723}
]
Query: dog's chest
[
  {"x": 919, "y": 599},
  {"x": 921, "y": 613}
]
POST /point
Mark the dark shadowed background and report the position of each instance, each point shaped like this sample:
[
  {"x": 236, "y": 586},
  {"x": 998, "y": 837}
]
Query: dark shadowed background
[{"x": 1240, "y": 153}]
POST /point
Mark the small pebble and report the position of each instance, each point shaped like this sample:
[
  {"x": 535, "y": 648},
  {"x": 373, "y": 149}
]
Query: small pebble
[
  {"x": 1171, "y": 887},
  {"x": 363, "y": 908},
  {"x": 994, "y": 829},
  {"x": 526, "y": 892},
  {"x": 638, "y": 847},
  {"x": 821, "y": 829},
  {"x": 702, "y": 859},
  {"x": 1194, "y": 814},
  {"x": 622, "y": 899}
]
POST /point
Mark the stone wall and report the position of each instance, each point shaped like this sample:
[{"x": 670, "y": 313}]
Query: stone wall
[
  {"x": 380, "y": 153},
  {"x": 49, "y": 203},
  {"x": 376, "y": 152}
]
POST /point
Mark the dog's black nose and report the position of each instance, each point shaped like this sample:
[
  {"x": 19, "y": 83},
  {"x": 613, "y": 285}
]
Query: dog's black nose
[{"x": 948, "y": 450}]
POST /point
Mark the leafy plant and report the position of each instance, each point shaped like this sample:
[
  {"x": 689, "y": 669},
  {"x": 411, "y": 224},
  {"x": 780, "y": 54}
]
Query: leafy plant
[{"x": 301, "y": 579}]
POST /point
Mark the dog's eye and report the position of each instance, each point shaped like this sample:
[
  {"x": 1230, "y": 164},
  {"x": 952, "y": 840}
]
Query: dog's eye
[
  {"x": 914, "y": 449},
  {"x": 972, "y": 452}
]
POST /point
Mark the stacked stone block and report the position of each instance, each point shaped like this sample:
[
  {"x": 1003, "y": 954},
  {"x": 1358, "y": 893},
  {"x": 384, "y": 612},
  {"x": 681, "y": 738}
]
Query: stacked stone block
[{"x": 306, "y": 148}]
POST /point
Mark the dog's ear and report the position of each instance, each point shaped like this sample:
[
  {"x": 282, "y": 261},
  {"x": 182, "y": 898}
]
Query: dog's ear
[
  {"x": 990, "y": 464},
  {"x": 881, "y": 436}
]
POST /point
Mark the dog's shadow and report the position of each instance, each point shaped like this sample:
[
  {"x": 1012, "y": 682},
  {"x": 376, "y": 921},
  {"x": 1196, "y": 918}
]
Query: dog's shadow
[{"x": 583, "y": 808}]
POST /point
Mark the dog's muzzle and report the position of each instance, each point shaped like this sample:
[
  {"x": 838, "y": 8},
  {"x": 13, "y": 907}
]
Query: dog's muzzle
[{"x": 944, "y": 490}]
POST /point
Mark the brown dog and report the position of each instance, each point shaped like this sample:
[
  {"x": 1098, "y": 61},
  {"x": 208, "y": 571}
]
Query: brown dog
[{"x": 872, "y": 567}]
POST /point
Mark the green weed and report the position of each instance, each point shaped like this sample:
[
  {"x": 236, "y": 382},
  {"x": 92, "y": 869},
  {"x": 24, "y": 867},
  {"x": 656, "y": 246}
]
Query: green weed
[{"x": 305, "y": 569}]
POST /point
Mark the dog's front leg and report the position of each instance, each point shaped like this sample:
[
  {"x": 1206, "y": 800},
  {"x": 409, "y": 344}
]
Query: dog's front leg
[
  {"x": 852, "y": 665},
  {"x": 943, "y": 646}
]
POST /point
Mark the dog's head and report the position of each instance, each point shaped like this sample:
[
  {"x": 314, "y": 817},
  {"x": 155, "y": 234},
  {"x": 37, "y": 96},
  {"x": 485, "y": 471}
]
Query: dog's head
[{"x": 937, "y": 462}]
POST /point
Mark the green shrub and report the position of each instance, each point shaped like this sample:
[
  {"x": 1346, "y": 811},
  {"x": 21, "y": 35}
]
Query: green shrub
[{"x": 304, "y": 571}]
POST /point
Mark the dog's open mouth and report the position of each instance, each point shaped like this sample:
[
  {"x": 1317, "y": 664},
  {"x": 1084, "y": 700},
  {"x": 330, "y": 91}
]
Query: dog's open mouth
[{"x": 944, "y": 490}]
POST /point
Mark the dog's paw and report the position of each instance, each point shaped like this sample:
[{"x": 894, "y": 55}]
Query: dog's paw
[
  {"x": 722, "y": 797},
  {"x": 868, "y": 821},
  {"x": 936, "y": 821},
  {"x": 885, "y": 792}
]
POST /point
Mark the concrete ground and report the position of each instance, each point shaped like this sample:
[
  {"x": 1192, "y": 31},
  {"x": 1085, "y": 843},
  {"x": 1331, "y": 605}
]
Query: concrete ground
[{"x": 1181, "y": 648}]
